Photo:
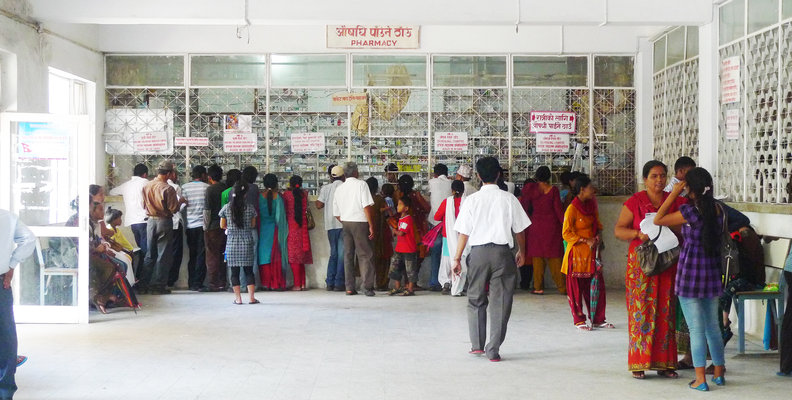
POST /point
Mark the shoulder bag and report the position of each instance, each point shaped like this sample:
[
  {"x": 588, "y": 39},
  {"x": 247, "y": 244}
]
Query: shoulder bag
[
  {"x": 651, "y": 262},
  {"x": 730, "y": 256},
  {"x": 309, "y": 220}
]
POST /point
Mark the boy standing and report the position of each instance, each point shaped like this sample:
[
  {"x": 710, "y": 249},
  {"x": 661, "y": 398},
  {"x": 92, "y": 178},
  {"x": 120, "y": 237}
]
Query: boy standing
[
  {"x": 406, "y": 251},
  {"x": 487, "y": 219}
]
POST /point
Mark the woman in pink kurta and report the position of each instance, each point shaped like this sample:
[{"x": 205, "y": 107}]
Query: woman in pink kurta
[
  {"x": 298, "y": 242},
  {"x": 542, "y": 202}
]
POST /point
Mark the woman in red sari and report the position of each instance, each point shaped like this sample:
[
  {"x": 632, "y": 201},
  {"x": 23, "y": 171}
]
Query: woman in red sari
[
  {"x": 298, "y": 242},
  {"x": 651, "y": 305}
]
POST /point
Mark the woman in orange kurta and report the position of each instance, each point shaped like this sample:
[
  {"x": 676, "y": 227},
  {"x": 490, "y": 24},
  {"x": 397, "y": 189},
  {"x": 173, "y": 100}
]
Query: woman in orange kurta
[
  {"x": 651, "y": 305},
  {"x": 582, "y": 231}
]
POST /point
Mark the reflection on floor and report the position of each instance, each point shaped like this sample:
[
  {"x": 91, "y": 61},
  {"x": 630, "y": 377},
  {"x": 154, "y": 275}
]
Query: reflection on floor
[{"x": 320, "y": 345}]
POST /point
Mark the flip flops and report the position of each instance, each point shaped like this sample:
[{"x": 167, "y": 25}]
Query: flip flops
[
  {"x": 255, "y": 301},
  {"x": 239, "y": 303}
]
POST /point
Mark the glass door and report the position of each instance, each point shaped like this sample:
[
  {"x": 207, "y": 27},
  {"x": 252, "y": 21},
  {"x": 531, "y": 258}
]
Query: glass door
[{"x": 45, "y": 163}]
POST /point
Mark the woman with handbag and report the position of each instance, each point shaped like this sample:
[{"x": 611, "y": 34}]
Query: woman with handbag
[
  {"x": 582, "y": 231},
  {"x": 651, "y": 306},
  {"x": 698, "y": 275},
  {"x": 295, "y": 201}
]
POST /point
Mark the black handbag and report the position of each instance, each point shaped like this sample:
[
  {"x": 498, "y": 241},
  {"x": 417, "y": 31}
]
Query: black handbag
[
  {"x": 651, "y": 261},
  {"x": 730, "y": 255}
]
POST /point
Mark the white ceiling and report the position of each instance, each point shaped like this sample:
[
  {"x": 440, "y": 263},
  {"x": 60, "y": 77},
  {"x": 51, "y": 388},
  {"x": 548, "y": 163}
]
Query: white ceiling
[{"x": 298, "y": 25}]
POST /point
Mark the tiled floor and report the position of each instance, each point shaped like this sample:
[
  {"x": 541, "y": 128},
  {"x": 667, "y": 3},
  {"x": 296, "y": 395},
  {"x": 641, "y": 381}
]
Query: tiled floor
[{"x": 319, "y": 345}]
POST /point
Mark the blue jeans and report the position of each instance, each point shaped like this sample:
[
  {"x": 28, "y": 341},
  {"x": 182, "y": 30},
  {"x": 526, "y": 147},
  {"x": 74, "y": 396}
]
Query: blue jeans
[
  {"x": 335, "y": 265},
  {"x": 702, "y": 320},
  {"x": 437, "y": 253}
]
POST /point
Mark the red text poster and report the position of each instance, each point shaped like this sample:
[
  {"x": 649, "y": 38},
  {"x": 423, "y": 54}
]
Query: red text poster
[
  {"x": 373, "y": 37},
  {"x": 552, "y": 122},
  {"x": 191, "y": 141},
  {"x": 240, "y": 143},
  {"x": 150, "y": 142},
  {"x": 730, "y": 80},
  {"x": 552, "y": 143},
  {"x": 308, "y": 142},
  {"x": 451, "y": 142}
]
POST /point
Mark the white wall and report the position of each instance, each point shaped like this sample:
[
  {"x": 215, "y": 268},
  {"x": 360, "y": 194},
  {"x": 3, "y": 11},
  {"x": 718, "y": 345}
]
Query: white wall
[{"x": 33, "y": 54}]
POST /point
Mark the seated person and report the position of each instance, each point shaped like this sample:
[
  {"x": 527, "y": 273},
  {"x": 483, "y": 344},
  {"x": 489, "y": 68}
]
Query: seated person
[
  {"x": 752, "y": 271},
  {"x": 119, "y": 243}
]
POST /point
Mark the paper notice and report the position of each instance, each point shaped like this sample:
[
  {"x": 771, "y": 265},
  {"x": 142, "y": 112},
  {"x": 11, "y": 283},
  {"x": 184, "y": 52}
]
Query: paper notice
[{"x": 667, "y": 239}]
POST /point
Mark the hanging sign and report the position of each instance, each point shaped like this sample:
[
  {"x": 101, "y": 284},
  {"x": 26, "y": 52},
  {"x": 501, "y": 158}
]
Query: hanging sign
[
  {"x": 552, "y": 143},
  {"x": 373, "y": 37},
  {"x": 730, "y": 80},
  {"x": 123, "y": 124},
  {"x": 150, "y": 142},
  {"x": 308, "y": 142},
  {"x": 349, "y": 99},
  {"x": 43, "y": 141},
  {"x": 236, "y": 123},
  {"x": 240, "y": 143},
  {"x": 451, "y": 142},
  {"x": 191, "y": 141},
  {"x": 732, "y": 124},
  {"x": 552, "y": 122}
]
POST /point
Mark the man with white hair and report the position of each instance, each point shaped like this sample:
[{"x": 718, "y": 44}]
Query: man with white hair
[{"x": 17, "y": 243}]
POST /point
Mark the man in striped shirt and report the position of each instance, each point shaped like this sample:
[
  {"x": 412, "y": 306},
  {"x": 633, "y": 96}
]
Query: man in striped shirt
[{"x": 195, "y": 192}]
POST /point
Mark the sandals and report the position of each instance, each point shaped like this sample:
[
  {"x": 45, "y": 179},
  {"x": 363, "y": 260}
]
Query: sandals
[
  {"x": 638, "y": 375},
  {"x": 100, "y": 306},
  {"x": 394, "y": 292},
  {"x": 669, "y": 373},
  {"x": 583, "y": 327},
  {"x": 539, "y": 292},
  {"x": 255, "y": 301},
  {"x": 606, "y": 325},
  {"x": 239, "y": 303},
  {"x": 407, "y": 293}
]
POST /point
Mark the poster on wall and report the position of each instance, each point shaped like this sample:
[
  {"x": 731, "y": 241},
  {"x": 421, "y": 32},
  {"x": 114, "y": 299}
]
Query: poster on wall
[
  {"x": 307, "y": 142},
  {"x": 236, "y": 123},
  {"x": 373, "y": 36},
  {"x": 552, "y": 122},
  {"x": 552, "y": 143},
  {"x": 191, "y": 141},
  {"x": 240, "y": 143},
  {"x": 122, "y": 124},
  {"x": 732, "y": 124},
  {"x": 42, "y": 141},
  {"x": 150, "y": 142},
  {"x": 451, "y": 142},
  {"x": 730, "y": 80}
]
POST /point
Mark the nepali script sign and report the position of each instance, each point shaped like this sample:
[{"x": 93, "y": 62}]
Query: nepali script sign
[
  {"x": 349, "y": 99},
  {"x": 552, "y": 143},
  {"x": 240, "y": 142},
  {"x": 730, "y": 80},
  {"x": 194, "y": 141},
  {"x": 451, "y": 142},
  {"x": 552, "y": 122},
  {"x": 308, "y": 142},
  {"x": 150, "y": 142},
  {"x": 373, "y": 37}
]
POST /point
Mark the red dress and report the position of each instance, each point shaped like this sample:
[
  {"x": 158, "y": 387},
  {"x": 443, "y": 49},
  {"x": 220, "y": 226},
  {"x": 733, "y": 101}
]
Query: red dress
[
  {"x": 543, "y": 237},
  {"x": 651, "y": 303},
  {"x": 298, "y": 242}
]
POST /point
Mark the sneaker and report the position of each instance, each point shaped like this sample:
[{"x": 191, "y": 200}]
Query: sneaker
[
  {"x": 21, "y": 360},
  {"x": 446, "y": 289},
  {"x": 369, "y": 292}
]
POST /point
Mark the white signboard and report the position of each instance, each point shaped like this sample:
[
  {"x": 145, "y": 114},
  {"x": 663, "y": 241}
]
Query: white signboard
[
  {"x": 191, "y": 141},
  {"x": 240, "y": 143},
  {"x": 552, "y": 122},
  {"x": 451, "y": 142},
  {"x": 730, "y": 80},
  {"x": 349, "y": 99},
  {"x": 308, "y": 142},
  {"x": 150, "y": 142},
  {"x": 123, "y": 124},
  {"x": 42, "y": 140},
  {"x": 236, "y": 123},
  {"x": 373, "y": 36},
  {"x": 732, "y": 124},
  {"x": 552, "y": 143}
]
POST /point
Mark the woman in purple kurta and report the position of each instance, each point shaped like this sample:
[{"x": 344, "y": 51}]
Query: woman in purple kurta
[
  {"x": 698, "y": 278},
  {"x": 542, "y": 202}
]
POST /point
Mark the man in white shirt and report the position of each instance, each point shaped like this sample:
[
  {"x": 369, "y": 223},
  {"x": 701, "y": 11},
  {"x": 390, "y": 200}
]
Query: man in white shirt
[
  {"x": 439, "y": 190},
  {"x": 335, "y": 265},
  {"x": 352, "y": 205},
  {"x": 134, "y": 214},
  {"x": 487, "y": 220},
  {"x": 17, "y": 243},
  {"x": 464, "y": 173},
  {"x": 681, "y": 167},
  {"x": 195, "y": 194}
]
